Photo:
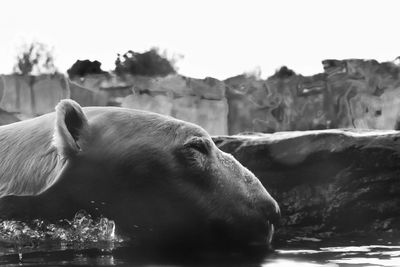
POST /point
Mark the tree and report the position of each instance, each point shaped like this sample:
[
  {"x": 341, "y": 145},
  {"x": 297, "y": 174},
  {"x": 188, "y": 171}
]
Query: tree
[
  {"x": 82, "y": 68},
  {"x": 149, "y": 63},
  {"x": 34, "y": 59},
  {"x": 283, "y": 73}
]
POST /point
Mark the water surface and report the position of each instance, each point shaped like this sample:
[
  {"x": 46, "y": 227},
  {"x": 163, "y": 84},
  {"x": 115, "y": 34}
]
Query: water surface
[{"x": 84, "y": 241}]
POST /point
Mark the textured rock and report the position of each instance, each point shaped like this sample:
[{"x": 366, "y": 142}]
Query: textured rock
[
  {"x": 7, "y": 118},
  {"x": 330, "y": 181},
  {"x": 210, "y": 114},
  {"x": 179, "y": 86},
  {"x": 201, "y": 101},
  {"x": 363, "y": 93},
  {"x": 275, "y": 104},
  {"x": 173, "y": 84},
  {"x": 353, "y": 93},
  {"x": 32, "y": 95},
  {"x": 350, "y": 93},
  {"x": 85, "y": 96}
]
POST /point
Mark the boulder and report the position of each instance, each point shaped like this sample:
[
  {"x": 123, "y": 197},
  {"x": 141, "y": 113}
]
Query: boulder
[{"x": 327, "y": 182}]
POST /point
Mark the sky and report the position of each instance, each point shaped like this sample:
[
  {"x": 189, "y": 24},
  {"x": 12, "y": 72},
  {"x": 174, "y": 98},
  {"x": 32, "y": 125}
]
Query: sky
[{"x": 214, "y": 38}]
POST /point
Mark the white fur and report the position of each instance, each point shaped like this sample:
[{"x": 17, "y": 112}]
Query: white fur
[{"x": 62, "y": 138}]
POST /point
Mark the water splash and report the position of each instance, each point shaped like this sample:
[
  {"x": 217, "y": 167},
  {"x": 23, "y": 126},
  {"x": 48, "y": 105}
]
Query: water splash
[{"x": 82, "y": 230}]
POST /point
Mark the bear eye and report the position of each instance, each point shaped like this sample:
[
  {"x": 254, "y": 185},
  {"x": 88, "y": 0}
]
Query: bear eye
[{"x": 199, "y": 144}]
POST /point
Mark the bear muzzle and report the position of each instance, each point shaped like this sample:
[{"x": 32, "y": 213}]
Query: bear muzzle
[
  {"x": 266, "y": 219},
  {"x": 253, "y": 229}
]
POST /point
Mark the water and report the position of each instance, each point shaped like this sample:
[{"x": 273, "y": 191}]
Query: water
[
  {"x": 85, "y": 241},
  {"x": 337, "y": 252}
]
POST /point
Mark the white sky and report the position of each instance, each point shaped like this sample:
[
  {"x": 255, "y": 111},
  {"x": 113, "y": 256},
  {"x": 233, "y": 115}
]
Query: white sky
[{"x": 217, "y": 38}]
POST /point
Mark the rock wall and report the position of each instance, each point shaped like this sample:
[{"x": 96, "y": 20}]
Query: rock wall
[
  {"x": 350, "y": 93},
  {"x": 5, "y": 117},
  {"x": 364, "y": 94},
  {"x": 31, "y": 96},
  {"x": 326, "y": 182},
  {"x": 201, "y": 101},
  {"x": 273, "y": 105},
  {"x": 85, "y": 96}
]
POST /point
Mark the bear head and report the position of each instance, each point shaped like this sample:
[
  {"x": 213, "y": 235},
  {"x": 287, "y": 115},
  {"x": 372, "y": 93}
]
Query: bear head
[{"x": 162, "y": 180}]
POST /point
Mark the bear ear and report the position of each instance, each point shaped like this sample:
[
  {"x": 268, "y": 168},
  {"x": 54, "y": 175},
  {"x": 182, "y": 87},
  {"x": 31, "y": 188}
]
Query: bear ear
[{"x": 71, "y": 128}]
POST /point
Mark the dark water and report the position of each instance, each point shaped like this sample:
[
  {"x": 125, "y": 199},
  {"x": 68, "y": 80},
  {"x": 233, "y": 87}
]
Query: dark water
[{"x": 84, "y": 241}]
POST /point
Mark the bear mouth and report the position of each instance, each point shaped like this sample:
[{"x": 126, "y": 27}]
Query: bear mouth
[
  {"x": 270, "y": 234},
  {"x": 266, "y": 239},
  {"x": 241, "y": 235}
]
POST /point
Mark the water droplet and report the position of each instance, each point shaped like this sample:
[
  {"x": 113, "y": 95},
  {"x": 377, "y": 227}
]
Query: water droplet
[{"x": 82, "y": 228}]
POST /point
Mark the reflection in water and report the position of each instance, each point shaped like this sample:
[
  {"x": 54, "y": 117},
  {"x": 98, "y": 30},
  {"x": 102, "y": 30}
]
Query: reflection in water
[
  {"x": 371, "y": 255},
  {"x": 289, "y": 263},
  {"x": 84, "y": 241}
]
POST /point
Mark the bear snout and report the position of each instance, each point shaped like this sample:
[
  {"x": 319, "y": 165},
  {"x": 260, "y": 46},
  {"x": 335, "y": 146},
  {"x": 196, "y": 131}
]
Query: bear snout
[
  {"x": 270, "y": 209},
  {"x": 268, "y": 218},
  {"x": 254, "y": 227},
  {"x": 247, "y": 232},
  {"x": 265, "y": 216}
]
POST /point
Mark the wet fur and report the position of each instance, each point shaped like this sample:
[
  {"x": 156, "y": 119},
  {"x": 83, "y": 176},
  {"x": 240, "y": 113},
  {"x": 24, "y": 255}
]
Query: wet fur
[
  {"x": 34, "y": 152},
  {"x": 28, "y": 161},
  {"x": 146, "y": 168}
]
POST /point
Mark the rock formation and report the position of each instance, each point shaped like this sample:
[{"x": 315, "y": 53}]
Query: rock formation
[
  {"x": 351, "y": 93},
  {"x": 327, "y": 182},
  {"x": 7, "y": 117}
]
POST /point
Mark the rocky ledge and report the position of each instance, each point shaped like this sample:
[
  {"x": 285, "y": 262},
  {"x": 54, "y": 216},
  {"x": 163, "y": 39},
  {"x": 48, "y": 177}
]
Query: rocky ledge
[{"x": 327, "y": 182}]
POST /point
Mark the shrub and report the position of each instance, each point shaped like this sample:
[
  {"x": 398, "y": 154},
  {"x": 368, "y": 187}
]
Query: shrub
[
  {"x": 149, "y": 63},
  {"x": 82, "y": 68}
]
